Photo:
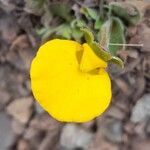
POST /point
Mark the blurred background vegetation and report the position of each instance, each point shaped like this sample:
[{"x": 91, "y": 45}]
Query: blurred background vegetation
[
  {"x": 107, "y": 21},
  {"x": 26, "y": 24}
]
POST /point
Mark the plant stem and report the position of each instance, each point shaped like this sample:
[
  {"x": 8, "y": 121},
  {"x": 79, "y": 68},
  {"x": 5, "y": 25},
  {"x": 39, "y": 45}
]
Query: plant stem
[{"x": 118, "y": 44}]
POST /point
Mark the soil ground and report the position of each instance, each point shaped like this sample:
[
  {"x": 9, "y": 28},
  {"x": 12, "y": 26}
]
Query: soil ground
[{"x": 24, "y": 125}]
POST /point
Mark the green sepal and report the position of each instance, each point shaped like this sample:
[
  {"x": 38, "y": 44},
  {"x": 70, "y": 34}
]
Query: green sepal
[
  {"x": 88, "y": 35},
  {"x": 100, "y": 52},
  {"x": 117, "y": 61},
  {"x": 99, "y": 49}
]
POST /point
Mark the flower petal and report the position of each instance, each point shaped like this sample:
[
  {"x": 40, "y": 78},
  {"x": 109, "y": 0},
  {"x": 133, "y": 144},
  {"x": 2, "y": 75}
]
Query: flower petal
[
  {"x": 62, "y": 89},
  {"x": 90, "y": 60}
]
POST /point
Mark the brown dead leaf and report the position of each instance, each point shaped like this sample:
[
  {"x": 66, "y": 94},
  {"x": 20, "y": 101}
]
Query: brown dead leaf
[
  {"x": 140, "y": 144},
  {"x": 123, "y": 86},
  {"x": 21, "y": 42},
  {"x": 115, "y": 113},
  {"x": 8, "y": 27},
  {"x": 20, "y": 54},
  {"x": 100, "y": 143},
  {"x": 50, "y": 140},
  {"x": 131, "y": 31},
  {"x": 140, "y": 4},
  {"x": 131, "y": 64},
  {"x": 139, "y": 87},
  {"x": 144, "y": 36},
  {"x": 23, "y": 145}
]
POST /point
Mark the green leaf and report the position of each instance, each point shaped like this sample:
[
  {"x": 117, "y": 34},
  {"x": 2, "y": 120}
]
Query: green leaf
[
  {"x": 64, "y": 31},
  {"x": 105, "y": 33},
  {"x": 128, "y": 12},
  {"x": 117, "y": 61},
  {"x": 98, "y": 23},
  {"x": 41, "y": 31},
  {"x": 116, "y": 36},
  {"x": 48, "y": 33},
  {"x": 34, "y": 6},
  {"x": 88, "y": 35},
  {"x": 46, "y": 17},
  {"x": 100, "y": 52},
  {"x": 45, "y": 33},
  {"x": 77, "y": 34},
  {"x": 112, "y": 32},
  {"x": 77, "y": 23},
  {"x": 89, "y": 13},
  {"x": 61, "y": 10}
]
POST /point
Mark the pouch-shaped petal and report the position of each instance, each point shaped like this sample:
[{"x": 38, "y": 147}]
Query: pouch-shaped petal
[
  {"x": 62, "y": 89},
  {"x": 90, "y": 61}
]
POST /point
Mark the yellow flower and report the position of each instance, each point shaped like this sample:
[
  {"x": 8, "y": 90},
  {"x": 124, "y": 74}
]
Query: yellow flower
[{"x": 69, "y": 81}]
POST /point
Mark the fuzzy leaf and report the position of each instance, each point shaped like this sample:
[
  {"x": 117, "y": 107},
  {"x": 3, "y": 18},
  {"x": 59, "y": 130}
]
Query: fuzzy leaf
[
  {"x": 98, "y": 23},
  {"x": 61, "y": 10},
  {"x": 77, "y": 23},
  {"x": 46, "y": 17},
  {"x": 48, "y": 32},
  {"x": 77, "y": 34},
  {"x": 64, "y": 31},
  {"x": 89, "y": 13},
  {"x": 126, "y": 11},
  {"x": 105, "y": 34},
  {"x": 41, "y": 31},
  {"x": 88, "y": 35},
  {"x": 112, "y": 31},
  {"x": 100, "y": 52},
  {"x": 34, "y": 6},
  {"x": 116, "y": 35},
  {"x": 117, "y": 61}
]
